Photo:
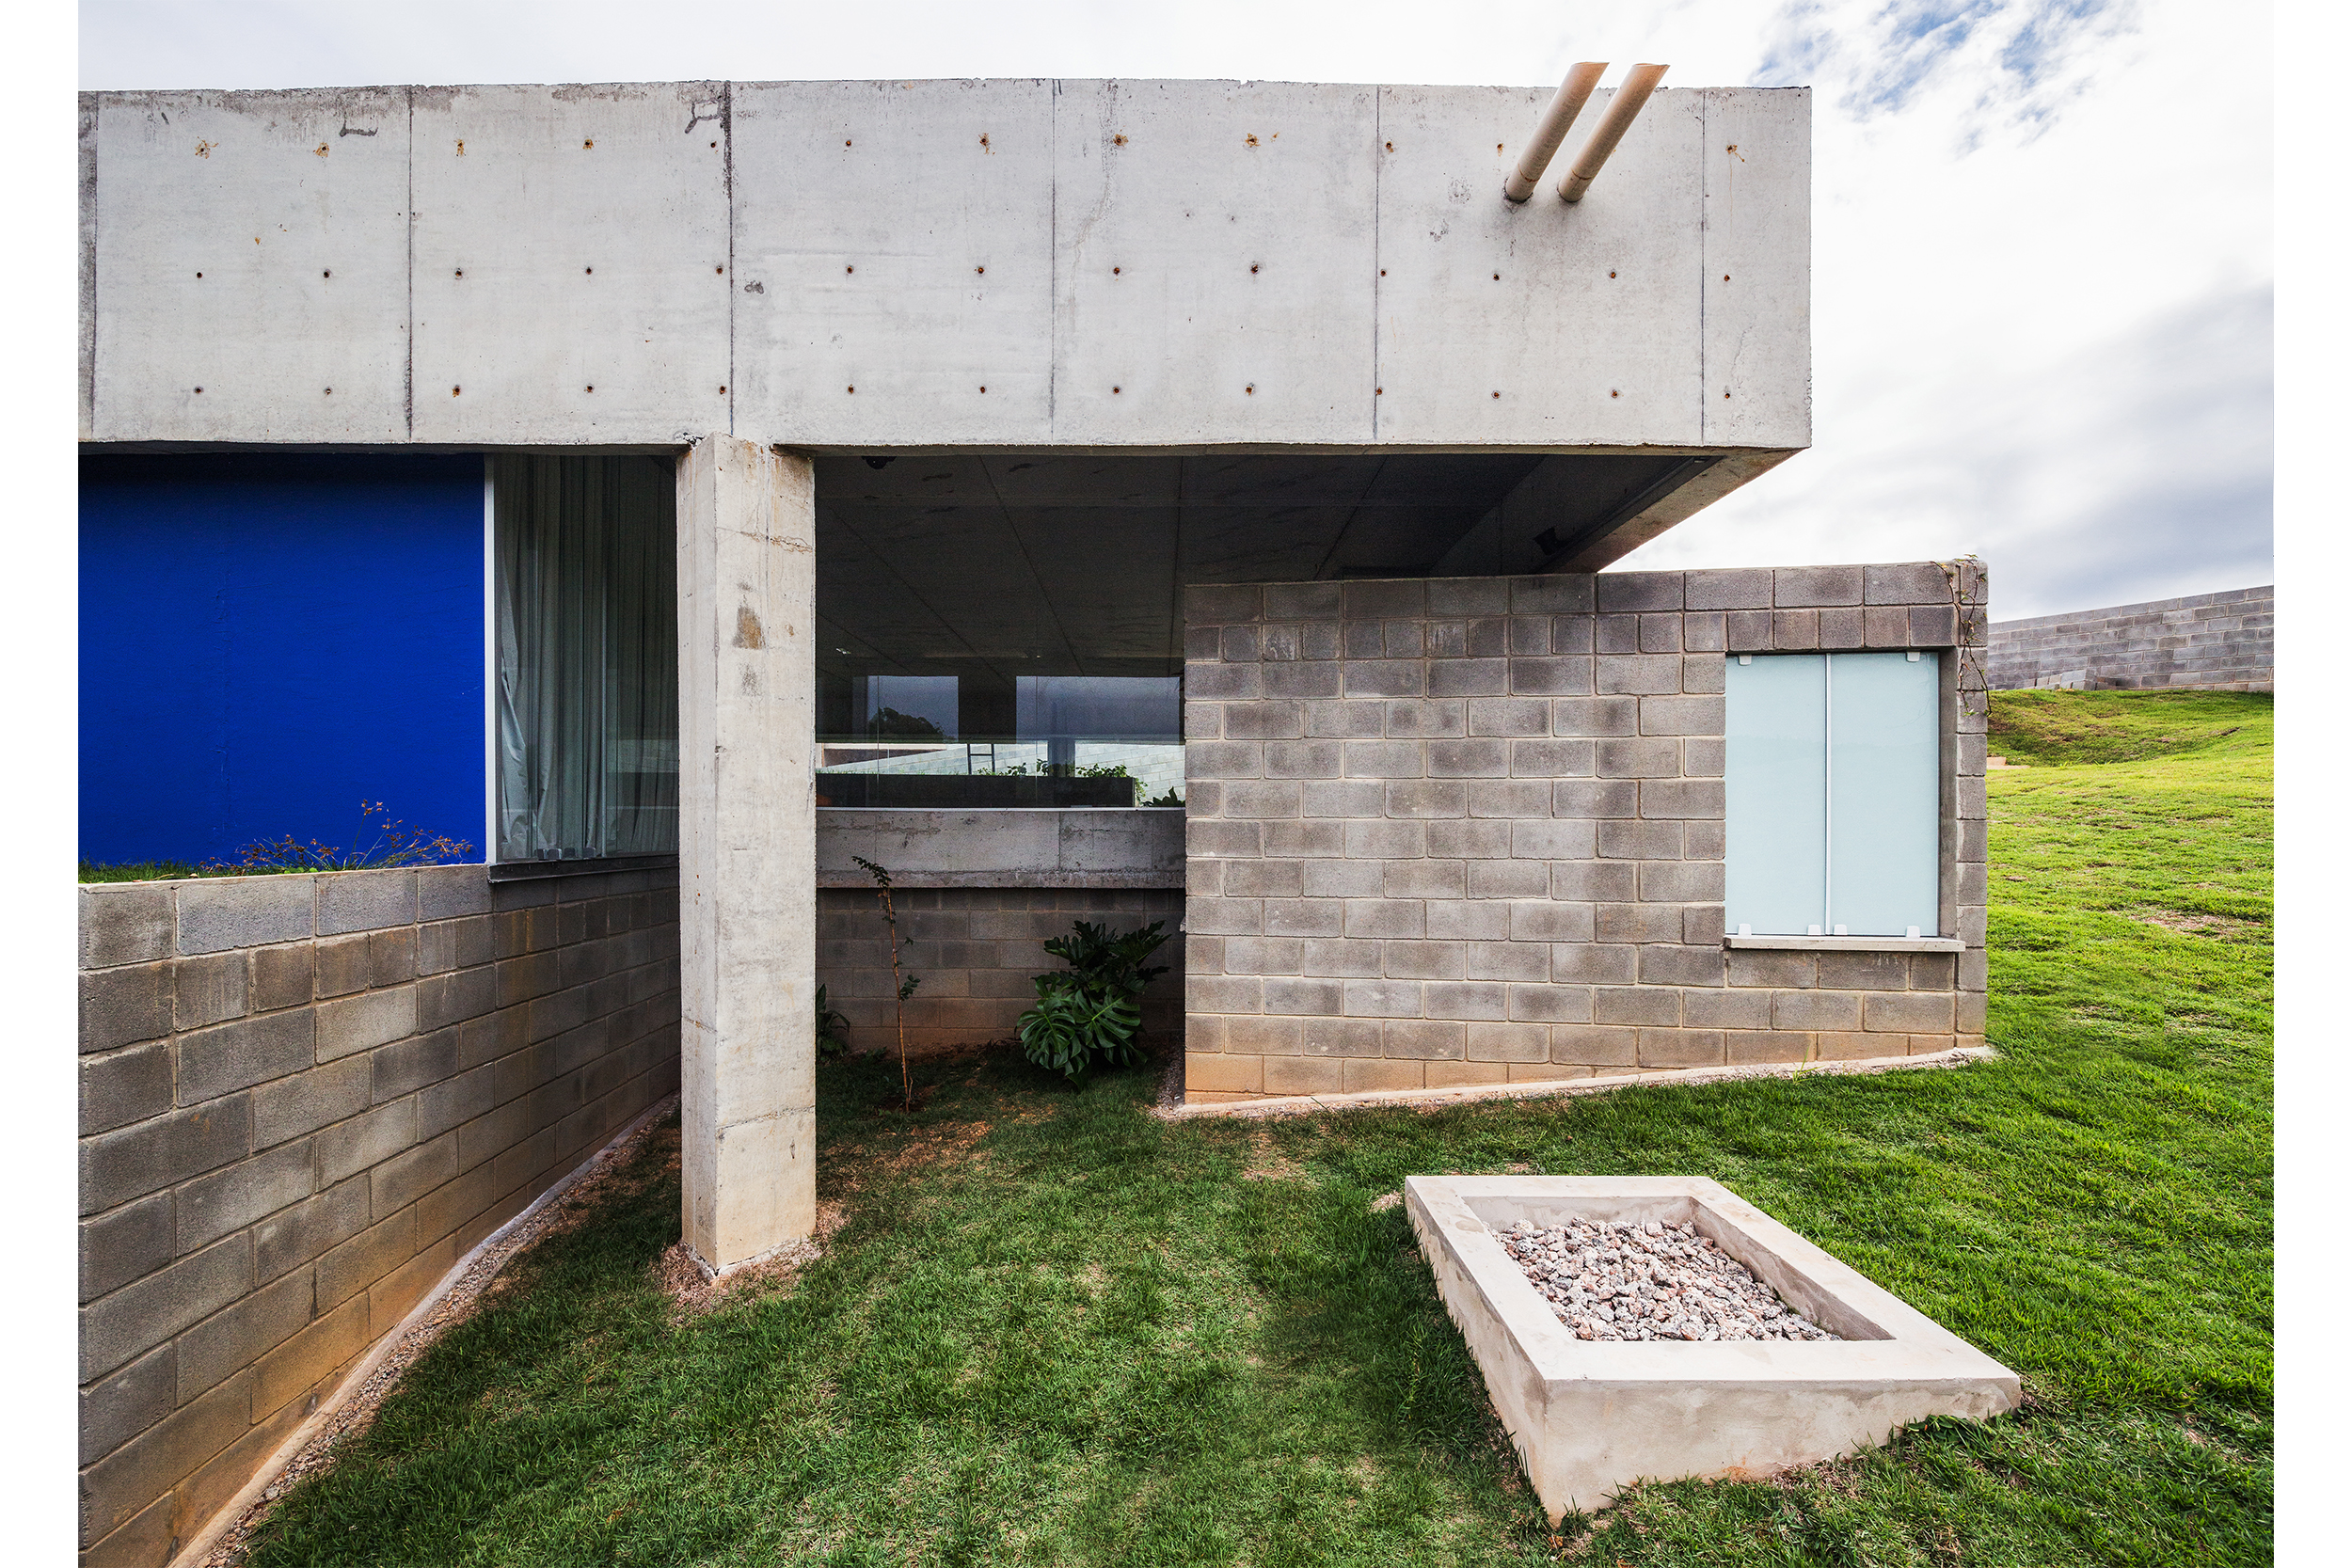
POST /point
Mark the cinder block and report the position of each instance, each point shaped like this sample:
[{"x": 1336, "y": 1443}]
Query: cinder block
[
  {"x": 1469, "y": 839},
  {"x": 1638, "y": 758},
  {"x": 1508, "y": 716},
  {"x": 1782, "y": 970},
  {"x": 1840, "y": 627},
  {"x": 1803, "y": 586},
  {"x": 1317, "y": 997},
  {"x": 281, "y": 976},
  {"x": 351, "y": 1146},
  {"x": 1907, "y": 1012},
  {"x": 1637, "y": 923},
  {"x": 1756, "y": 1047},
  {"x": 1302, "y": 1075},
  {"x": 1674, "y": 964},
  {"x": 1593, "y": 881},
  {"x": 1223, "y": 1073},
  {"x": 1865, "y": 971},
  {"x": 1458, "y": 1075},
  {"x": 208, "y": 990},
  {"x": 1293, "y": 601},
  {"x": 1382, "y": 998},
  {"x": 1640, "y": 840},
  {"x": 1261, "y": 798},
  {"x": 1556, "y": 675},
  {"x": 304, "y": 1102},
  {"x": 1637, "y": 674},
  {"x": 1748, "y": 631},
  {"x": 135, "y": 1160},
  {"x": 1547, "y": 1004},
  {"x": 1682, "y": 881},
  {"x": 231, "y": 1056},
  {"x": 1361, "y": 1076},
  {"x": 349, "y": 1270},
  {"x": 125, "y": 1007},
  {"x": 1681, "y": 1048},
  {"x": 450, "y": 892},
  {"x": 1702, "y": 798},
  {"x": 129, "y": 1244},
  {"x": 1728, "y": 1008},
  {"x": 294, "y": 1236},
  {"x": 123, "y": 1086},
  {"x": 365, "y": 1022},
  {"x": 1702, "y": 672},
  {"x": 1470, "y": 920},
  {"x": 1855, "y": 1046},
  {"x": 216, "y": 915},
  {"x": 145, "y": 1313},
  {"x": 1340, "y": 957},
  {"x": 392, "y": 955},
  {"x": 1422, "y": 1039},
  {"x": 1552, "y": 593},
  {"x": 1589, "y": 1045},
  {"x": 123, "y": 924},
  {"x": 1618, "y": 634},
  {"x": 1592, "y": 963},
  {"x": 318, "y": 1351},
  {"x": 127, "y": 1402},
  {"x": 1508, "y": 1042},
  {"x": 410, "y": 1174},
  {"x": 1682, "y": 715},
  {"x": 1471, "y": 1000},
  {"x": 1525, "y": 962},
  {"x": 126, "y": 1482},
  {"x": 1916, "y": 582},
  {"x": 242, "y": 1333},
  {"x": 1737, "y": 588},
  {"x": 390, "y": 1298},
  {"x": 344, "y": 966},
  {"x": 1657, "y": 1006},
  {"x": 1422, "y": 959},
  {"x": 1817, "y": 1010},
  {"x": 228, "y": 1200}
]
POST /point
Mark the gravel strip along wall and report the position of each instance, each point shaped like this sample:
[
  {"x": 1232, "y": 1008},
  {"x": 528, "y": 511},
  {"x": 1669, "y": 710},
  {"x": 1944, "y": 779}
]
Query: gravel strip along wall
[
  {"x": 1469, "y": 830},
  {"x": 2206, "y": 642},
  {"x": 303, "y": 1098},
  {"x": 976, "y": 949}
]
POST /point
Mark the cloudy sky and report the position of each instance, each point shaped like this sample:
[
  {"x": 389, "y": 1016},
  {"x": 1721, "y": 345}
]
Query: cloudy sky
[{"x": 2041, "y": 228}]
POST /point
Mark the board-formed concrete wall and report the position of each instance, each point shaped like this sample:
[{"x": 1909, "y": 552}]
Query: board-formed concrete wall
[
  {"x": 303, "y": 1098},
  {"x": 2205, "y": 641},
  {"x": 851, "y": 265},
  {"x": 1469, "y": 830}
]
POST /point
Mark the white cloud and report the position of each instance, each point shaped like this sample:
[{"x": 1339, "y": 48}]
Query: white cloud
[{"x": 2041, "y": 228}]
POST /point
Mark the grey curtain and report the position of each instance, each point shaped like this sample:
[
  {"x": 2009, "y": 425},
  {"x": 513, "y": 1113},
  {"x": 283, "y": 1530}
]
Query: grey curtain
[{"x": 586, "y": 594}]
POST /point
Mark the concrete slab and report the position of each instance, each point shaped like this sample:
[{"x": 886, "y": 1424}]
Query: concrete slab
[
  {"x": 1601, "y": 297},
  {"x": 571, "y": 271},
  {"x": 289, "y": 209},
  {"x": 1215, "y": 247},
  {"x": 1589, "y": 1418},
  {"x": 873, "y": 216}
]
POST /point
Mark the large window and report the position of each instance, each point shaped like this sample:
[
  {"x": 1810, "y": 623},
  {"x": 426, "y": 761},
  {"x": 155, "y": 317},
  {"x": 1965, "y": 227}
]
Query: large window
[
  {"x": 585, "y": 729},
  {"x": 1832, "y": 804},
  {"x": 953, "y": 741}
]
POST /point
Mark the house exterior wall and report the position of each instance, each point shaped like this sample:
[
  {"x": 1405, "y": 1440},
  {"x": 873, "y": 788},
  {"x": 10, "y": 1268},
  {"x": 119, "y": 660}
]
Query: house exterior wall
[
  {"x": 1469, "y": 830},
  {"x": 304, "y": 1097},
  {"x": 1121, "y": 264},
  {"x": 2206, "y": 642}
]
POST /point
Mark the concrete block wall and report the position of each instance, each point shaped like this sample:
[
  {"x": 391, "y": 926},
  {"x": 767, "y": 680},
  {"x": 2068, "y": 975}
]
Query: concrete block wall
[
  {"x": 976, "y": 949},
  {"x": 1470, "y": 831},
  {"x": 2205, "y": 641},
  {"x": 303, "y": 1098}
]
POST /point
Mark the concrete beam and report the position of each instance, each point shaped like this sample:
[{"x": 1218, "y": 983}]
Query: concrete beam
[{"x": 747, "y": 847}]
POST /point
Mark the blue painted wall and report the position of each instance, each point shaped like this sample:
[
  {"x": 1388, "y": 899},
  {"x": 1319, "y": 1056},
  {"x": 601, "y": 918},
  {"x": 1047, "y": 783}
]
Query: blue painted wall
[{"x": 267, "y": 641}]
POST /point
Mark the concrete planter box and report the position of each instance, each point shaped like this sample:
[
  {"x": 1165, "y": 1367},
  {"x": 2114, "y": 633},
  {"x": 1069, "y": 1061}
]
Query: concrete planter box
[{"x": 1589, "y": 1417}]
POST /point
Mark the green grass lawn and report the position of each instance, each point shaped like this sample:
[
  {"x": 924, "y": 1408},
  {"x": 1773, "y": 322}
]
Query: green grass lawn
[{"x": 1056, "y": 1330}]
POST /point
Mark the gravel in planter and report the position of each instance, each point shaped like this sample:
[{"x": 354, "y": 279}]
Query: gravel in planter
[{"x": 1650, "y": 1281}]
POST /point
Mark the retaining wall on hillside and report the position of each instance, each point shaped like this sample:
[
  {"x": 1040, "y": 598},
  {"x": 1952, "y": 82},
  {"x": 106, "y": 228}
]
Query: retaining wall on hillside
[
  {"x": 2206, "y": 642},
  {"x": 303, "y": 1098}
]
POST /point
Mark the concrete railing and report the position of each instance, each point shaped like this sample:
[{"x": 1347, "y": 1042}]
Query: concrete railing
[{"x": 303, "y": 1098}]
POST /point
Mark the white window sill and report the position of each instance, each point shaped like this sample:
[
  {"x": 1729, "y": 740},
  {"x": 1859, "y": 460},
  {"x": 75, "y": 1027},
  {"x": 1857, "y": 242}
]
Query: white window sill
[{"x": 1851, "y": 944}]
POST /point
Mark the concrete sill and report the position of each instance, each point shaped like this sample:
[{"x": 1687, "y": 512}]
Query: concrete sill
[
  {"x": 524, "y": 871},
  {"x": 1852, "y": 944}
]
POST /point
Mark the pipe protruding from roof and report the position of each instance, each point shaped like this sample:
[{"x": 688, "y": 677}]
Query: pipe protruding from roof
[
  {"x": 1627, "y": 101},
  {"x": 1552, "y": 128}
]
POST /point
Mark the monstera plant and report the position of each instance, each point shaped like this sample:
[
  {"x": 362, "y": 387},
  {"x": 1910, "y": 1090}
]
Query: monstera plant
[{"x": 1087, "y": 1013}]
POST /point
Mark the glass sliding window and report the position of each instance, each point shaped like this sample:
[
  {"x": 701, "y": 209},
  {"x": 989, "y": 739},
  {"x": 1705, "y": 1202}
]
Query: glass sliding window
[
  {"x": 1831, "y": 795},
  {"x": 585, "y": 591}
]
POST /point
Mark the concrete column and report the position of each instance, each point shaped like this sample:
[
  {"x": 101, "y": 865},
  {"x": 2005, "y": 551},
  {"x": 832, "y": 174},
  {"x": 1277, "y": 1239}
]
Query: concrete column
[{"x": 747, "y": 847}]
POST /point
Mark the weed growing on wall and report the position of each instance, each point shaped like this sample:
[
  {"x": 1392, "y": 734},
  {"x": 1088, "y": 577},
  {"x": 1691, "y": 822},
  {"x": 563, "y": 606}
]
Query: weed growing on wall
[{"x": 395, "y": 844}]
